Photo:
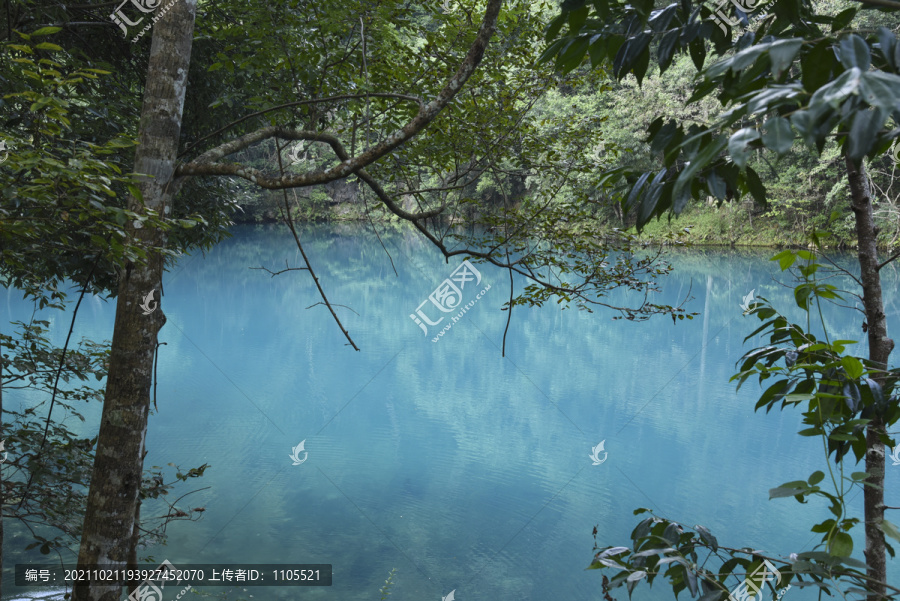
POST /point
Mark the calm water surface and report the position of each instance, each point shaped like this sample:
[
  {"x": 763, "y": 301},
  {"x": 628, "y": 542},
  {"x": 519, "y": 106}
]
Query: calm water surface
[{"x": 461, "y": 468}]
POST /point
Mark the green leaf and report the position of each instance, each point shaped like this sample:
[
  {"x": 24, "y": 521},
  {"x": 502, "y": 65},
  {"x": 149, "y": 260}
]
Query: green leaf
[
  {"x": 886, "y": 42},
  {"x": 707, "y": 537},
  {"x": 755, "y": 185},
  {"x": 834, "y": 93},
  {"x": 716, "y": 185},
  {"x": 551, "y": 50},
  {"x": 572, "y": 56},
  {"x": 46, "y": 31},
  {"x": 554, "y": 27},
  {"x": 597, "y": 51},
  {"x": 866, "y": 123},
  {"x": 815, "y": 65},
  {"x": 737, "y": 62},
  {"x": 782, "y": 53},
  {"x": 697, "y": 50},
  {"x": 815, "y": 478},
  {"x": 889, "y": 529},
  {"x": 643, "y": 7},
  {"x": 666, "y": 49},
  {"x": 681, "y": 193},
  {"x": 852, "y": 366},
  {"x": 781, "y": 491},
  {"x": 855, "y": 52},
  {"x": 880, "y": 89},
  {"x": 651, "y": 197},
  {"x": 778, "y": 135},
  {"x": 691, "y": 580},
  {"x": 841, "y": 545},
  {"x": 47, "y": 46},
  {"x": 739, "y": 145},
  {"x": 629, "y": 54},
  {"x": 121, "y": 142},
  {"x": 577, "y": 18},
  {"x": 843, "y": 18}
]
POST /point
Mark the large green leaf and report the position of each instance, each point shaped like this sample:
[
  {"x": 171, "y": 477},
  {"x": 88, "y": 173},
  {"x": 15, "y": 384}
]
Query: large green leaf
[
  {"x": 861, "y": 138},
  {"x": 890, "y": 529},
  {"x": 755, "y": 186},
  {"x": 880, "y": 89},
  {"x": 778, "y": 135},
  {"x": 651, "y": 197},
  {"x": 852, "y": 366},
  {"x": 782, "y": 53},
  {"x": 738, "y": 62},
  {"x": 816, "y": 64},
  {"x": 739, "y": 145},
  {"x": 886, "y": 43},
  {"x": 681, "y": 191},
  {"x": 834, "y": 93},
  {"x": 855, "y": 52},
  {"x": 841, "y": 545},
  {"x": 666, "y": 49}
]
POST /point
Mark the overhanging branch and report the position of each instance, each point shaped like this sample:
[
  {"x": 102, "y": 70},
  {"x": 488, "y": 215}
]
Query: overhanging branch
[{"x": 205, "y": 164}]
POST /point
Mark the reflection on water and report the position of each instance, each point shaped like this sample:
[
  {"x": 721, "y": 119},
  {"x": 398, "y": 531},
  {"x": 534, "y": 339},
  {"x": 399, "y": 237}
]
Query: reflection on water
[{"x": 464, "y": 470}]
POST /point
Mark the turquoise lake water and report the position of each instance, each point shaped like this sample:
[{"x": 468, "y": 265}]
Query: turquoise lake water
[{"x": 464, "y": 470}]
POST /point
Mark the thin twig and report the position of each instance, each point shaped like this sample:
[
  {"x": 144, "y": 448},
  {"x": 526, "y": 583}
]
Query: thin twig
[
  {"x": 894, "y": 256},
  {"x": 509, "y": 315},
  {"x": 290, "y": 223},
  {"x": 62, "y": 360}
]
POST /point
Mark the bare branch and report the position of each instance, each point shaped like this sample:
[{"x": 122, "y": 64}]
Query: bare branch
[
  {"x": 894, "y": 256},
  {"x": 286, "y": 269},
  {"x": 286, "y": 214},
  {"x": 332, "y": 305},
  {"x": 415, "y": 99}
]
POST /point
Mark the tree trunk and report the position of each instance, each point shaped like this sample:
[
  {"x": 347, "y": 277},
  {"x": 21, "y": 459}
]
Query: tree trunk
[
  {"x": 118, "y": 467},
  {"x": 880, "y": 347},
  {"x": 1, "y": 476}
]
